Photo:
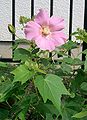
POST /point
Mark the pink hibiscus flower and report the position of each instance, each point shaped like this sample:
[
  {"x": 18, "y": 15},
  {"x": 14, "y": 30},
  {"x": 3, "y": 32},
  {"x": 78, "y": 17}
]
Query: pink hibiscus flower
[{"x": 45, "y": 31}]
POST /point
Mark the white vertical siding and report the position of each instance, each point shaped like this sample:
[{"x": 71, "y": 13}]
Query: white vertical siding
[
  {"x": 78, "y": 14},
  {"x": 45, "y": 4},
  {"x": 5, "y": 19}
]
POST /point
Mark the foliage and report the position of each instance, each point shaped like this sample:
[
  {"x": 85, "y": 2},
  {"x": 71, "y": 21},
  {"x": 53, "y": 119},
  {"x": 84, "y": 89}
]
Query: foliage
[{"x": 39, "y": 87}]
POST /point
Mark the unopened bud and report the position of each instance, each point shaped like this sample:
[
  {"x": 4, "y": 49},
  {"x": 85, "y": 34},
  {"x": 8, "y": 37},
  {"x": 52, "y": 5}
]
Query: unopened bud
[
  {"x": 23, "y": 20},
  {"x": 11, "y": 28}
]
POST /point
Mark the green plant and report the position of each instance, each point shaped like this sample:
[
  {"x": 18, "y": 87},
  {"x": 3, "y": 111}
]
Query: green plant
[{"x": 39, "y": 87}]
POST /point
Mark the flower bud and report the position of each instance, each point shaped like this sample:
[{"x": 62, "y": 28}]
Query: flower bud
[
  {"x": 23, "y": 20},
  {"x": 11, "y": 29}
]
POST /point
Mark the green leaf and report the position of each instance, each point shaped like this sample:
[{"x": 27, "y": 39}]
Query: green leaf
[
  {"x": 77, "y": 61},
  {"x": 82, "y": 35},
  {"x": 79, "y": 79},
  {"x": 21, "y": 54},
  {"x": 80, "y": 114},
  {"x": 22, "y": 74},
  {"x": 64, "y": 66},
  {"x": 22, "y": 116},
  {"x": 3, "y": 114},
  {"x": 21, "y": 107},
  {"x": 51, "y": 88},
  {"x": 84, "y": 86},
  {"x": 34, "y": 66},
  {"x": 45, "y": 108},
  {"x": 68, "y": 60},
  {"x": 67, "y": 114},
  {"x": 49, "y": 117},
  {"x": 69, "y": 45},
  {"x": 71, "y": 107},
  {"x": 2, "y": 64},
  {"x": 44, "y": 61},
  {"x": 5, "y": 90},
  {"x": 71, "y": 61},
  {"x": 84, "y": 52},
  {"x": 85, "y": 65},
  {"x": 74, "y": 33}
]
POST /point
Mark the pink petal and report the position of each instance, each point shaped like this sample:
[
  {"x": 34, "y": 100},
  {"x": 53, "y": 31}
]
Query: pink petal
[
  {"x": 42, "y": 18},
  {"x": 56, "y": 24},
  {"x": 59, "y": 38},
  {"x": 32, "y": 30},
  {"x": 45, "y": 43}
]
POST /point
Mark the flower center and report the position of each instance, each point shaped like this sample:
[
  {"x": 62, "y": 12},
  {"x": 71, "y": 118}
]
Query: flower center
[{"x": 45, "y": 30}]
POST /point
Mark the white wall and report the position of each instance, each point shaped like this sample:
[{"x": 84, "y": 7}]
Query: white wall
[{"x": 61, "y": 8}]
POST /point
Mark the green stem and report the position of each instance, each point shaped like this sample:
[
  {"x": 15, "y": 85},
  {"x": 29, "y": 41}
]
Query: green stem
[{"x": 8, "y": 104}]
